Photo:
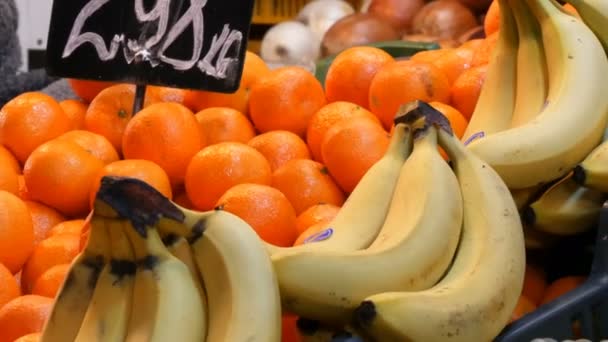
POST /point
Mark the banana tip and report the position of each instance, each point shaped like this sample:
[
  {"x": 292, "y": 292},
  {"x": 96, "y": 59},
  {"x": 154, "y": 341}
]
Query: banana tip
[
  {"x": 579, "y": 175},
  {"x": 415, "y": 110},
  {"x": 365, "y": 313}
]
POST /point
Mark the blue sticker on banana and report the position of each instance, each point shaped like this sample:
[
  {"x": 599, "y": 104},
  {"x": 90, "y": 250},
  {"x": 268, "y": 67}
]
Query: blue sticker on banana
[
  {"x": 320, "y": 236},
  {"x": 475, "y": 136}
]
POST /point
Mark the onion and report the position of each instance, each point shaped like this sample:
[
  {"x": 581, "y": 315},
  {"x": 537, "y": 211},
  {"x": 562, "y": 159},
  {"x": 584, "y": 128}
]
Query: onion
[
  {"x": 477, "y": 32},
  {"x": 444, "y": 19},
  {"x": 477, "y": 5},
  {"x": 320, "y": 15},
  {"x": 356, "y": 29},
  {"x": 289, "y": 43},
  {"x": 398, "y": 13}
]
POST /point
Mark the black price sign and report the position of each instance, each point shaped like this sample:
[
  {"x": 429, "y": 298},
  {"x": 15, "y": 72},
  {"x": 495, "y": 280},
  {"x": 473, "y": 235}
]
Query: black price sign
[{"x": 196, "y": 44}]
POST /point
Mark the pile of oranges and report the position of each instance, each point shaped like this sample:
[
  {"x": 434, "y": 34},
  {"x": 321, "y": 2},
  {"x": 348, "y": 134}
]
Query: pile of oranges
[{"x": 283, "y": 152}]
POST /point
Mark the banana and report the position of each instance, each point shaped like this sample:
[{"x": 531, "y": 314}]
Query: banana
[
  {"x": 532, "y": 85},
  {"x": 359, "y": 220},
  {"x": 565, "y": 208},
  {"x": 592, "y": 172},
  {"x": 494, "y": 109},
  {"x": 573, "y": 121},
  {"x": 109, "y": 310},
  {"x": 476, "y": 297},
  {"x": 413, "y": 250},
  {"x": 75, "y": 294},
  {"x": 523, "y": 197},
  {"x": 595, "y": 14}
]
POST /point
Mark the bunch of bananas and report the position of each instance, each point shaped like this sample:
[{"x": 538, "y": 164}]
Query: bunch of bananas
[
  {"x": 153, "y": 271},
  {"x": 542, "y": 115}
]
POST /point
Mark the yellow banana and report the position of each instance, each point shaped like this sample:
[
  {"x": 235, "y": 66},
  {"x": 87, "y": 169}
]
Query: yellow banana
[
  {"x": 593, "y": 171},
  {"x": 595, "y": 14}
]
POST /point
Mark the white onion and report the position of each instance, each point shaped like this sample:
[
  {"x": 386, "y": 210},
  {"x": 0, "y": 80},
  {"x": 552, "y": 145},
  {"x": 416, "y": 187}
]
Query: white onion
[
  {"x": 320, "y": 15},
  {"x": 290, "y": 43}
]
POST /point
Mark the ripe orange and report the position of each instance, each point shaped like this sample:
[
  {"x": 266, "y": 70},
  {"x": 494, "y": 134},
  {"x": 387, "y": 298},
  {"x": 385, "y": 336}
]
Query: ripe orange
[
  {"x": 75, "y": 110},
  {"x": 109, "y": 113},
  {"x": 265, "y": 209},
  {"x": 95, "y": 144},
  {"x": 55, "y": 250},
  {"x": 141, "y": 169},
  {"x": 315, "y": 214},
  {"x": 404, "y": 81},
  {"x": 88, "y": 89},
  {"x": 491, "y": 22},
  {"x": 310, "y": 231},
  {"x": 29, "y": 120},
  {"x": 49, "y": 283},
  {"x": 351, "y": 147},
  {"x": 350, "y": 74},
  {"x": 429, "y": 56},
  {"x": 68, "y": 227},
  {"x": 561, "y": 286},
  {"x": 16, "y": 232},
  {"x": 523, "y": 307},
  {"x": 9, "y": 179},
  {"x": 59, "y": 174},
  {"x": 165, "y": 133},
  {"x": 483, "y": 53},
  {"x": 219, "y": 124},
  {"x": 535, "y": 284},
  {"x": 466, "y": 89},
  {"x": 165, "y": 94},
  {"x": 285, "y": 99},
  {"x": 328, "y": 116},
  {"x": 457, "y": 120},
  {"x": 279, "y": 147},
  {"x": 34, "y": 337},
  {"x": 8, "y": 159},
  {"x": 23, "y": 193},
  {"x": 253, "y": 69},
  {"x": 24, "y": 315},
  {"x": 9, "y": 289},
  {"x": 219, "y": 167},
  {"x": 473, "y": 44},
  {"x": 289, "y": 330},
  {"x": 43, "y": 218},
  {"x": 570, "y": 9},
  {"x": 454, "y": 62},
  {"x": 305, "y": 183},
  {"x": 181, "y": 198}
]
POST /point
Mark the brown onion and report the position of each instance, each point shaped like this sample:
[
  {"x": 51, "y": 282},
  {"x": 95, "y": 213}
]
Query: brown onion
[
  {"x": 444, "y": 19},
  {"x": 356, "y": 29},
  {"x": 398, "y": 13}
]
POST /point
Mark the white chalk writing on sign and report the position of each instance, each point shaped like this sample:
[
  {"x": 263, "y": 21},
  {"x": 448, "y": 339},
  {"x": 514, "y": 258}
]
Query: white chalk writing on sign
[{"x": 153, "y": 49}]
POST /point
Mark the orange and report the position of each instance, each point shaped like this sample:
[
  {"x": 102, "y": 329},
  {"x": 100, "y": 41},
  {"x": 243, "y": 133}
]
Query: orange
[
  {"x": 219, "y": 167},
  {"x": 29, "y": 120},
  {"x": 351, "y": 147},
  {"x": 109, "y": 113},
  {"x": 285, "y": 99},
  {"x": 305, "y": 183},
  {"x": 454, "y": 62},
  {"x": 55, "y": 250},
  {"x": 220, "y": 124},
  {"x": 59, "y": 174},
  {"x": 9, "y": 288},
  {"x": 321, "y": 212},
  {"x": 165, "y": 94},
  {"x": 483, "y": 53},
  {"x": 49, "y": 283},
  {"x": 570, "y": 9},
  {"x": 88, "y": 89},
  {"x": 165, "y": 133},
  {"x": 24, "y": 315},
  {"x": 491, "y": 22},
  {"x": 473, "y": 43},
  {"x": 310, "y": 232},
  {"x": 350, "y": 74},
  {"x": 68, "y": 227},
  {"x": 181, "y": 198},
  {"x": 34, "y": 337},
  {"x": 404, "y": 81},
  {"x": 429, "y": 56},
  {"x": 23, "y": 193},
  {"x": 9, "y": 179},
  {"x": 561, "y": 286},
  {"x": 523, "y": 307},
  {"x": 253, "y": 69},
  {"x": 16, "y": 232},
  {"x": 76, "y": 111},
  {"x": 328, "y": 116},
  {"x": 8, "y": 159},
  {"x": 289, "y": 330},
  {"x": 535, "y": 284},
  {"x": 457, "y": 120},
  {"x": 95, "y": 144},
  {"x": 265, "y": 209},
  {"x": 43, "y": 218},
  {"x": 466, "y": 89},
  {"x": 279, "y": 147},
  {"x": 141, "y": 169}
]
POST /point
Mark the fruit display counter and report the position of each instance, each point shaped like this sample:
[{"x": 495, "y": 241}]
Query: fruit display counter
[{"x": 389, "y": 191}]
